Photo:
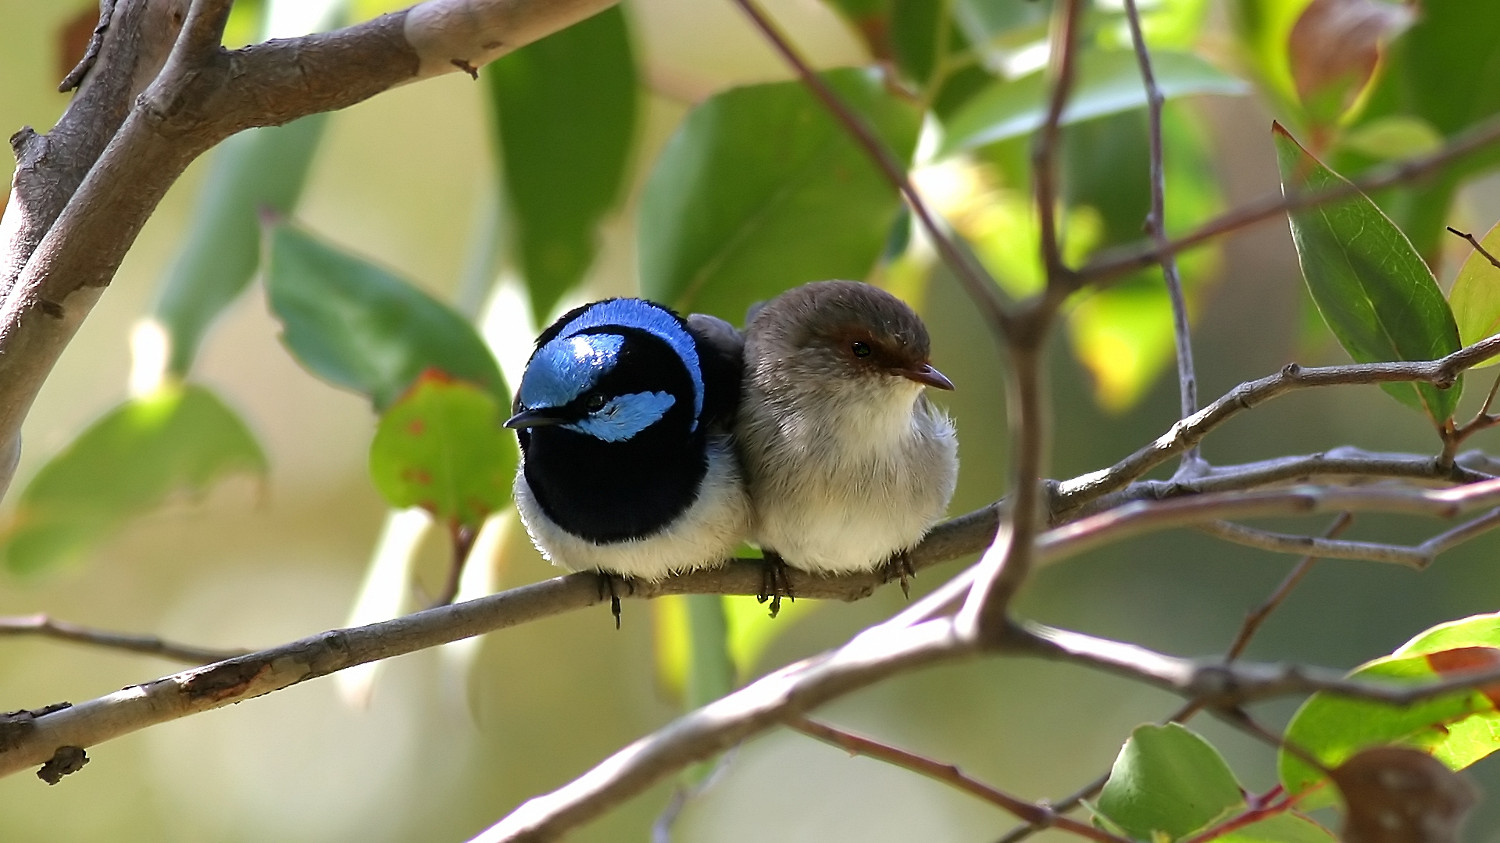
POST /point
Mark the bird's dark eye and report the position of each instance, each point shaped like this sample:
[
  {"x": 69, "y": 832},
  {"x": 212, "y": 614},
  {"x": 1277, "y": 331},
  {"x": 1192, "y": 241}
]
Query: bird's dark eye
[
  {"x": 860, "y": 349},
  {"x": 594, "y": 402}
]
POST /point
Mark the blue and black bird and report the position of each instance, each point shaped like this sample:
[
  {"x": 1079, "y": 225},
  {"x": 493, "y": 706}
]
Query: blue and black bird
[{"x": 624, "y": 416}]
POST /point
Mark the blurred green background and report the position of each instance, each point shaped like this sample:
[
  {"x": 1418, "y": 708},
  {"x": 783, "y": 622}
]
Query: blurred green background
[{"x": 442, "y": 751}]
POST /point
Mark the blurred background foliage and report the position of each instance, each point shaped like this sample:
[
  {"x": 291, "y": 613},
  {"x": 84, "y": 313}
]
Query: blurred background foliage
[{"x": 650, "y": 166}]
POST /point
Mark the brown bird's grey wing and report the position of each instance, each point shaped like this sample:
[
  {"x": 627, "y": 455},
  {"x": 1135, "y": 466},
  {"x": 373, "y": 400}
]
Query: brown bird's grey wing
[{"x": 721, "y": 352}]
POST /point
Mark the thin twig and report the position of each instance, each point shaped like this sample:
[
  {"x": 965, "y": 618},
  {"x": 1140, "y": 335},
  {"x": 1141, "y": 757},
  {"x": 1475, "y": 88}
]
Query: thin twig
[
  {"x": 1478, "y": 247},
  {"x": 1411, "y": 557},
  {"x": 975, "y": 279},
  {"x": 1046, "y": 144},
  {"x": 1156, "y": 229},
  {"x": 1189, "y": 431},
  {"x": 1256, "y": 617},
  {"x": 947, "y": 774},
  {"x": 47, "y": 627}
]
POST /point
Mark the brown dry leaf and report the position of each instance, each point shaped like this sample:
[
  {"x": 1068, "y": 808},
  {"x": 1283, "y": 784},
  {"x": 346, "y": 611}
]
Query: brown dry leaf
[
  {"x": 1335, "y": 46},
  {"x": 1401, "y": 795}
]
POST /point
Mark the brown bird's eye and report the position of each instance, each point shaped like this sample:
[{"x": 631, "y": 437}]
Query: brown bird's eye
[
  {"x": 594, "y": 403},
  {"x": 860, "y": 349}
]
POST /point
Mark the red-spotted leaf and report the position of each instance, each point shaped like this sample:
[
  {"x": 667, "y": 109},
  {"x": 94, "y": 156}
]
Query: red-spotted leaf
[
  {"x": 1475, "y": 297},
  {"x": 1374, "y": 291},
  {"x": 441, "y": 447},
  {"x": 1457, "y": 729}
]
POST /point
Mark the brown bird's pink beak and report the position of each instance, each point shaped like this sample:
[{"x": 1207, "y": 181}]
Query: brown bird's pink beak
[{"x": 925, "y": 373}]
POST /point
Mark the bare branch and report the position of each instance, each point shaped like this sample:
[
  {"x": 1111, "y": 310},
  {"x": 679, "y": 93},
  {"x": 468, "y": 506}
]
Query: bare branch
[
  {"x": 1478, "y": 247},
  {"x": 1045, "y": 146},
  {"x": 151, "y": 645},
  {"x": 1156, "y": 229},
  {"x": 1189, "y": 431},
  {"x": 873, "y": 655},
  {"x": 1411, "y": 557},
  {"x": 1038, "y": 815},
  {"x": 82, "y": 193}
]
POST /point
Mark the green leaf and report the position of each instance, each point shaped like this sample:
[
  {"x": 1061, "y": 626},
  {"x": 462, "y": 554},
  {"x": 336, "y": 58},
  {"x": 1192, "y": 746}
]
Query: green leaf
[
  {"x": 760, "y": 190},
  {"x": 1107, "y": 83},
  {"x": 564, "y": 110},
  {"x": 364, "y": 329},
  {"x": 258, "y": 169},
  {"x": 441, "y": 447},
  {"x": 1372, "y": 288},
  {"x": 1475, "y": 297},
  {"x": 179, "y": 439},
  {"x": 1168, "y": 782},
  {"x": 1457, "y": 729}
]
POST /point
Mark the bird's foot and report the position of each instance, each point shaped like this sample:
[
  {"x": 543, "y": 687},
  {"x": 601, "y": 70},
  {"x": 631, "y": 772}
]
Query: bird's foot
[
  {"x": 774, "y": 581},
  {"x": 607, "y": 586},
  {"x": 899, "y": 567}
]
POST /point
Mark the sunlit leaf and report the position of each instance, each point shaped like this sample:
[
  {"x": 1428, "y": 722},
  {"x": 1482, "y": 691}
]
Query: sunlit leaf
[
  {"x": 178, "y": 440},
  {"x": 1372, "y": 288},
  {"x": 1107, "y": 83},
  {"x": 1475, "y": 297},
  {"x": 1167, "y": 782},
  {"x": 760, "y": 189},
  {"x": 441, "y": 447},
  {"x": 564, "y": 109},
  {"x": 1457, "y": 729},
  {"x": 362, "y": 328}
]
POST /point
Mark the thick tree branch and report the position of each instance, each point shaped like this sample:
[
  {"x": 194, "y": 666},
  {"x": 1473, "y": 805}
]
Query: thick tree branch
[{"x": 81, "y": 194}]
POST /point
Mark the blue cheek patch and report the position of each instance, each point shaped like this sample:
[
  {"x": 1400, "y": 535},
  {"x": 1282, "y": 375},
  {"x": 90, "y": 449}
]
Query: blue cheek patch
[
  {"x": 656, "y": 320},
  {"x": 567, "y": 367},
  {"x": 625, "y": 416}
]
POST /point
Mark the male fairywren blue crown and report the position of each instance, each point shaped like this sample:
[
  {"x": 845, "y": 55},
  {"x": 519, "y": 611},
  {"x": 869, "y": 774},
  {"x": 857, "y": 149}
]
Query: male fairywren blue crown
[{"x": 624, "y": 416}]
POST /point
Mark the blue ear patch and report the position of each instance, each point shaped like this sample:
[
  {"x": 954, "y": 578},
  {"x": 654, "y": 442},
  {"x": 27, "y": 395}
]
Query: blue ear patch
[
  {"x": 625, "y": 416},
  {"x": 567, "y": 367},
  {"x": 648, "y": 317}
]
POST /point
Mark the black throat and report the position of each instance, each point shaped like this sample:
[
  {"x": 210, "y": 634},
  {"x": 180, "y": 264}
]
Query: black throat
[{"x": 614, "y": 491}]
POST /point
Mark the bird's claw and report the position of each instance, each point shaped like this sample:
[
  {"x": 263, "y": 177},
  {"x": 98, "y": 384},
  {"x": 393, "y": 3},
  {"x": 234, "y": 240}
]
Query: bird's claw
[
  {"x": 899, "y": 567},
  {"x": 607, "y": 586},
  {"x": 774, "y": 583}
]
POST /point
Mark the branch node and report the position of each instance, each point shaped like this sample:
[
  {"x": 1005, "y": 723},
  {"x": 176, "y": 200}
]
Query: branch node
[{"x": 66, "y": 760}]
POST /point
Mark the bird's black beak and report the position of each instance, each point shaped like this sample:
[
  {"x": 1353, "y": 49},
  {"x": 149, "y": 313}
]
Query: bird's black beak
[
  {"x": 540, "y": 417},
  {"x": 927, "y": 374}
]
